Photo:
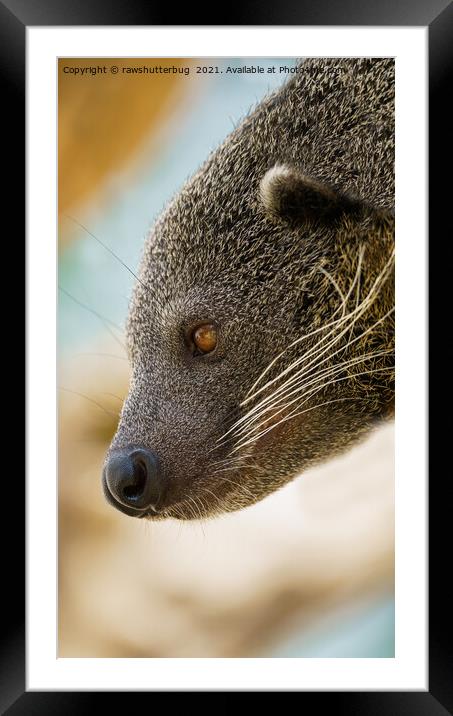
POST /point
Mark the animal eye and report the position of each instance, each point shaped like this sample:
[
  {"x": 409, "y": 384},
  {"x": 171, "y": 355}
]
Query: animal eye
[{"x": 204, "y": 338}]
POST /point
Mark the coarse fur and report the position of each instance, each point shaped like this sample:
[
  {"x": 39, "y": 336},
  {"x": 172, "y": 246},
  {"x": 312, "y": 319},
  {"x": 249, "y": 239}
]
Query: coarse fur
[{"x": 284, "y": 238}]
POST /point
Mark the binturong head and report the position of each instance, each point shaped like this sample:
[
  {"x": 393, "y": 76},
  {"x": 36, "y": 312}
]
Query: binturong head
[{"x": 260, "y": 332}]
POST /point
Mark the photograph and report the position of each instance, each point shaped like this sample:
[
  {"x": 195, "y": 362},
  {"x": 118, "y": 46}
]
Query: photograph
[{"x": 226, "y": 357}]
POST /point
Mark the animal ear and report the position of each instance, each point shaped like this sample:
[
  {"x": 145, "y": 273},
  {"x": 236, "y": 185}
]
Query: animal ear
[{"x": 288, "y": 194}]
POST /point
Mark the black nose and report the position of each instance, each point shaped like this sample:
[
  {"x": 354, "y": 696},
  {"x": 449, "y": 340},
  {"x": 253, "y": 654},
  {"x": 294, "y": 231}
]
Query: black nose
[{"x": 133, "y": 479}]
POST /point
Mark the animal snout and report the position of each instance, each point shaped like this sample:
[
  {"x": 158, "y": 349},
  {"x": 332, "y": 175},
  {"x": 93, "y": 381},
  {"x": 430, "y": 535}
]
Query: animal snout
[{"x": 132, "y": 477}]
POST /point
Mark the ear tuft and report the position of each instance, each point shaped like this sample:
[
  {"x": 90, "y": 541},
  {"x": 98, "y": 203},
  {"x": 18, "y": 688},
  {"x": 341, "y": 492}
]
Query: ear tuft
[{"x": 289, "y": 195}]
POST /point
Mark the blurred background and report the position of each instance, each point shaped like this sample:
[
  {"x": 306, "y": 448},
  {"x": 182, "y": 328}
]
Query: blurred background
[{"x": 306, "y": 572}]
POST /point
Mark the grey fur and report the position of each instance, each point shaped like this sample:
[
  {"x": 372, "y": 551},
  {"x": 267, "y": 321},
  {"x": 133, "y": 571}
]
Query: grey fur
[{"x": 225, "y": 249}]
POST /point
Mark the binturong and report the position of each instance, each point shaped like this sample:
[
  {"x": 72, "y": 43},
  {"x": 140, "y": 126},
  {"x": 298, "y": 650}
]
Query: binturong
[{"x": 261, "y": 326}]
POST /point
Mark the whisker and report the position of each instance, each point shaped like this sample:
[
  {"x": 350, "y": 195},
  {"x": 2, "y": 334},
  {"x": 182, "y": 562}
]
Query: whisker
[
  {"x": 113, "y": 395},
  {"x": 106, "y": 322},
  {"x": 366, "y": 303},
  {"x": 101, "y": 355},
  {"x": 293, "y": 379},
  {"x": 189, "y": 508},
  {"x": 284, "y": 419},
  {"x": 335, "y": 285},
  {"x": 107, "y": 248},
  {"x": 331, "y": 370},
  {"x": 297, "y": 378},
  {"x": 91, "y": 400},
  {"x": 312, "y": 333},
  {"x": 243, "y": 489},
  {"x": 316, "y": 350},
  {"x": 313, "y": 391},
  {"x": 359, "y": 271}
]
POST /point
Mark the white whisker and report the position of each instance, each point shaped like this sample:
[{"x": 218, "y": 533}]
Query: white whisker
[
  {"x": 331, "y": 370},
  {"x": 296, "y": 377},
  {"x": 342, "y": 307},
  {"x": 274, "y": 425},
  {"x": 316, "y": 350}
]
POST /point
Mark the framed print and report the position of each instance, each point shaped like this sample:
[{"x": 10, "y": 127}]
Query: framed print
[{"x": 181, "y": 311}]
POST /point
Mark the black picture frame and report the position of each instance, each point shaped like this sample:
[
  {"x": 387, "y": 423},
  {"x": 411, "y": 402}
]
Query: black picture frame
[{"x": 437, "y": 15}]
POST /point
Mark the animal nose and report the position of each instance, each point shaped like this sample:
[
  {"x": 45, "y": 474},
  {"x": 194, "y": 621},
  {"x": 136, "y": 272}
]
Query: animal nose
[{"x": 133, "y": 479}]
